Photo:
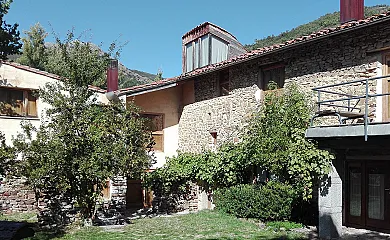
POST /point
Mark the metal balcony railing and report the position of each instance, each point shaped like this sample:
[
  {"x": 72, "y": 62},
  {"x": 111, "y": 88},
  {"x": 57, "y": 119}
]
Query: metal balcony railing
[{"x": 339, "y": 100}]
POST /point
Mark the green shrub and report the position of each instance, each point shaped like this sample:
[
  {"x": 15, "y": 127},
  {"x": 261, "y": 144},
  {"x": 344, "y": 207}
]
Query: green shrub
[{"x": 272, "y": 201}]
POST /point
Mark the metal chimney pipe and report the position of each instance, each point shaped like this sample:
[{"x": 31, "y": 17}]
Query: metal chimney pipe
[
  {"x": 112, "y": 76},
  {"x": 351, "y": 10}
]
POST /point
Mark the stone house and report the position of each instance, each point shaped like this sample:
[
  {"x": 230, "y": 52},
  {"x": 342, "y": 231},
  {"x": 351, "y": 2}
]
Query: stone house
[
  {"x": 19, "y": 103},
  {"x": 221, "y": 84},
  {"x": 209, "y": 104}
]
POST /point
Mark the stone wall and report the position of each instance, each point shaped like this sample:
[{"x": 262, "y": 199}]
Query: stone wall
[
  {"x": 335, "y": 59},
  {"x": 224, "y": 115},
  {"x": 16, "y": 196},
  {"x": 57, "y": 210},
  {"x": 118, "y": 192}
]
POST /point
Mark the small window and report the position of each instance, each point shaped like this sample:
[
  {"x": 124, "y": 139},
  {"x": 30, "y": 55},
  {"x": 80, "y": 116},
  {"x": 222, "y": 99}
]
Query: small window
[
  {"x": 224, "y": 85},
  {"x": 213, "y": 138},
  {"x": 17, "y": 102},
  {"x": 155, "y": 124},
  {"x": 274, "y": 73}
]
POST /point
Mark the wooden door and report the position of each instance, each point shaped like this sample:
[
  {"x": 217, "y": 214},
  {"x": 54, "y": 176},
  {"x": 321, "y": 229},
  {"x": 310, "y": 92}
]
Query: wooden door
[
  {"x": 378, "y": 195},
  {"x": 355, "y": 192},
  {"x": 134, "y": 194},
  {"x": 368, "y": 194}
]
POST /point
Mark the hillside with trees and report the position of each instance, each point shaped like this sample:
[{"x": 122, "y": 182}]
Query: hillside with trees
[
  {"x": 45, "y": 56},
  {"x": 327, "y": 21}
]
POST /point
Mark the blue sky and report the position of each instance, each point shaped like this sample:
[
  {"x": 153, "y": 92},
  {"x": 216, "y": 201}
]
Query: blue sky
[{"x": 153, "y": 28}]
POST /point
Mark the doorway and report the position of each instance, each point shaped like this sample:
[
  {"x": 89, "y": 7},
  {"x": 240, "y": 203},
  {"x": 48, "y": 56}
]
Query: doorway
[
  {"x": 134, "y": 194},
  {"x": 368, "y": 194}
]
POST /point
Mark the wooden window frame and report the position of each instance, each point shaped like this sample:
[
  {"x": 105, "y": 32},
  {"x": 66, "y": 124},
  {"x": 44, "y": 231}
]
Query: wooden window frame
[
  {"x": 26, "y": 94},
  {"x": 224, "y": 83},
  {"x": 385, "y": 87},
  {"x": 264, "y": 85},
  {"x": 159, "y": 132}
]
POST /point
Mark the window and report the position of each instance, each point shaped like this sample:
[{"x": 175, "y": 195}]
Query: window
[
  {"x": 189, "y": 57},
  {"x": 274, "y": 73},
  {"x": 17, "y": 102},
  {"x": 386, "y": 87},
  {"x": 155, "y": 124},
  {"x": 224, "y": 86},
  {"x": 213, "y": 138},
  {"x": 219, "y": 50},
  {"x": 204, "y": 51}
]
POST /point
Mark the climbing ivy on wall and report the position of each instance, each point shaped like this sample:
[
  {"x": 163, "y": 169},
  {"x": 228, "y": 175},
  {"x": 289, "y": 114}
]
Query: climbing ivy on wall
[
  {"x": 273, "y": 140},
  {"x": 276, "y": 139},
  {"x": 210, "y": 170}
]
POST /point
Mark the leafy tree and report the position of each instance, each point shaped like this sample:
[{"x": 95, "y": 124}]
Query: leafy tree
[
  {"x": 34, "y": 54},
  {"x": 7, "y": 155},
  {"x": 73, "y": 59},
  {"x": 276, "y": 139},
  {"x": 84, "y": 143},
  {"x": 9, "y": 35},
  {"x": 159, "y": 75}
]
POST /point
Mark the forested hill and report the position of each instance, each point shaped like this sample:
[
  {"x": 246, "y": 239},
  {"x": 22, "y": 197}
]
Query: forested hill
[
  {"x": 326, "y": 21},
  {"x": 131, "y": 77}
]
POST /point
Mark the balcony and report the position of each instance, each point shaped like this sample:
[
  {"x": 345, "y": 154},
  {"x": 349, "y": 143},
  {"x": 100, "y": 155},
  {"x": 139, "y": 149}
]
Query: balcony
[{"x": 355, "y": 109}]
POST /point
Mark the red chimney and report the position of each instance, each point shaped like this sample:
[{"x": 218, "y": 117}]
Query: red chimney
[
  {"x": 112, "y": 76},
  {"x": 351, "y": 10}
]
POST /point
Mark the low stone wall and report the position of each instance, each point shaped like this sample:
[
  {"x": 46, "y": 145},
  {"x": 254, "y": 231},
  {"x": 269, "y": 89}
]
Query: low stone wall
[
  {"x": 56, "y": 210},
  {"x": 16, "y": 196},
  {"x": 118, "y": 193},
  {"x": 177, "y": 202}
]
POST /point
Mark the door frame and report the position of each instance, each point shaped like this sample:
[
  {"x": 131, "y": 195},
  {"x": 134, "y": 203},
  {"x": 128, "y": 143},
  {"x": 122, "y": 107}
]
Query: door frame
[
  {"x": 352, "y": 220},
  {"x": 385, "y": 223},
  {"x": 363, "y": 221}
]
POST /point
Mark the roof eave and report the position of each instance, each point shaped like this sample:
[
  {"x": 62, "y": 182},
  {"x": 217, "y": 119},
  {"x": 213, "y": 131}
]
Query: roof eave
[{"x": 273, "y": 51}]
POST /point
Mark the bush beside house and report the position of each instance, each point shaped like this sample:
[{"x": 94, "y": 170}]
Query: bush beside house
[
  {"x": 272, "y": 201},
  {"x": 272, "y": 142}
]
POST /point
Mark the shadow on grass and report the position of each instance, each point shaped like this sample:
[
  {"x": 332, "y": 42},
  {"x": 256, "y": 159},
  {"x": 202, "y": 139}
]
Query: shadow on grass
[
  {"x": 47, "y": 235},
  {"x": 15, "y": 230}
]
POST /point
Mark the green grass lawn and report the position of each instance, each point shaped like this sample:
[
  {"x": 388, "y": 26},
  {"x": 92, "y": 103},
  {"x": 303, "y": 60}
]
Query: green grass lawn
[{"x": 202, "y": 225}]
